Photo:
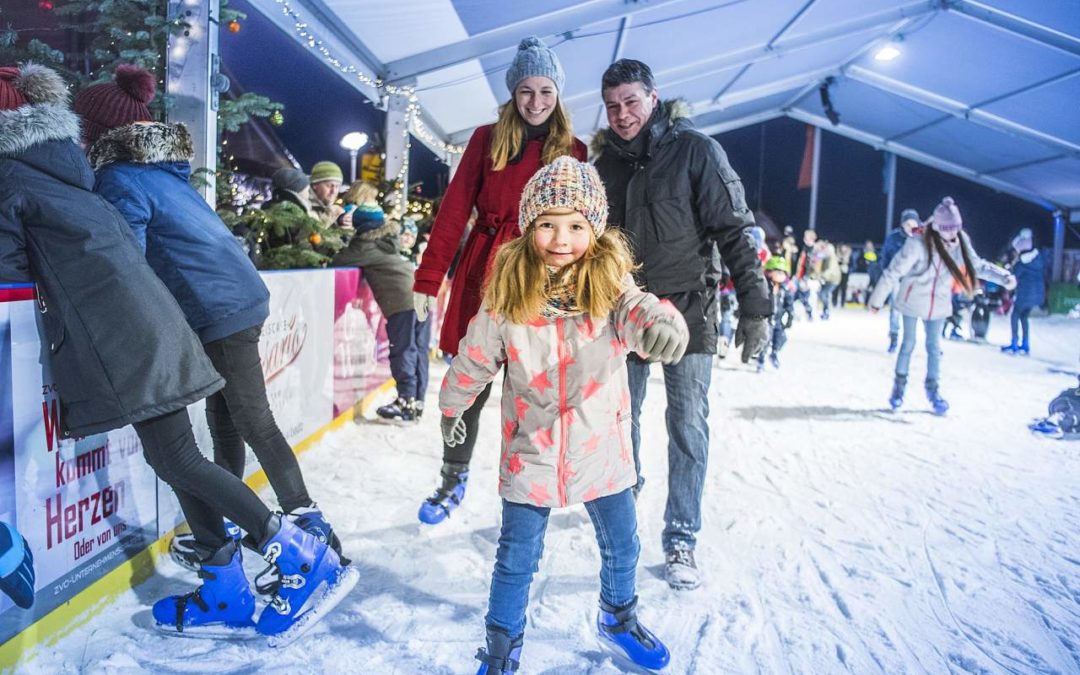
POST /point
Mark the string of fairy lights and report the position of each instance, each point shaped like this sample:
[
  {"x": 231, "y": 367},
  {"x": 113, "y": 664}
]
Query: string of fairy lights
[{"x": 413, "y": 115}]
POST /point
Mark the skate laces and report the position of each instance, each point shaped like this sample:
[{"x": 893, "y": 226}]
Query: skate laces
[
  {"x": 681, "y": 557},
  {"x": 270, "y": 582}
]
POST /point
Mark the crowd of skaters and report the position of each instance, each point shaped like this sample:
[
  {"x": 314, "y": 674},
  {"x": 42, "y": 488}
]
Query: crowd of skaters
[{"x": 595, "y": 284}]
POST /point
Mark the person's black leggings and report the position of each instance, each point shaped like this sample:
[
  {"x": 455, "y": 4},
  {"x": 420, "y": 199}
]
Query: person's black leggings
[
  {"x": 1019, "y": 321},
  {"x": 462, "y": 454},
  {"x": 206, "y": 491},
  {"x": 241, "y": 412}
]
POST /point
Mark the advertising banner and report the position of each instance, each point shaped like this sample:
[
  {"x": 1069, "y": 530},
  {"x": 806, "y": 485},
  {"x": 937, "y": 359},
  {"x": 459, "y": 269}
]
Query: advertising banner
[
  {"x": 361, "y": 348},
  {"x": 83, "y": 504}
]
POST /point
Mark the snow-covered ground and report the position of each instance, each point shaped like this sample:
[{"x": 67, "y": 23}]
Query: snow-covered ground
[{"x": 837, "y": 536}]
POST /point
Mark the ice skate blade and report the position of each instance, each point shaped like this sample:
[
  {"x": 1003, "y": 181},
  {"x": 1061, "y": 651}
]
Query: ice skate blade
[
  {"x": 330, "y": 598},
  {"x": 213, "y": 632}
]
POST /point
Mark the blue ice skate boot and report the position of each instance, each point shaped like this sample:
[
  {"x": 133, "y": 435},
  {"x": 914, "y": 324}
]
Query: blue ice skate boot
[
  {"x": 503, "y": 653},
  {"x": 940, "y": 405},
  {"x": 620, "y": 631},
  {"x": 448, "y": 496},
  {"x": 401, "y": 411},
  {"x": 774, "y": 359},
  {"x": 1048, "y": 427},
  {"x": 1010, "y": 348},
  {"x": 16, "y": 567},
  {"x": 893, "y": 339},
  {"x": 311, "y": 520},
  {"x": 896, "y": 398},
  {"x": 221, "y": 607},
  {"x": 1024, "y": 348},
  {"x": 305, "y": 580}
]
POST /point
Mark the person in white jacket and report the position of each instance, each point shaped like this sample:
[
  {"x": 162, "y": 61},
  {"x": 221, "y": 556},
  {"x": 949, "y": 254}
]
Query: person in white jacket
[{"x": 923, "y": 273}]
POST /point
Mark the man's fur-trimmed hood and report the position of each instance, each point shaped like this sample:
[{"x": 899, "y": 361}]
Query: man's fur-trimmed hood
[
  {"x": 30, "y": 125},
  {"x": 143, "y": 144},
  {"x": 676, "y": 109}
]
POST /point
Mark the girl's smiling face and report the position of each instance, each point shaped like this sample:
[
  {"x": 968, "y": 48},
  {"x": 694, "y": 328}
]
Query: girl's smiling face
[{"x": 561, "y": 236}]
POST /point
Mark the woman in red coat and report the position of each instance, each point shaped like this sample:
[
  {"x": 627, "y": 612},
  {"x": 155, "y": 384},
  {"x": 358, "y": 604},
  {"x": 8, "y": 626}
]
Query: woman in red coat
[{"x": 532, "y": 130}]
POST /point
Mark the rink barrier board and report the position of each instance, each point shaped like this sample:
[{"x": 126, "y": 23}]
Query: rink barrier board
[
  {"x": 375, "y": 384},
  {"x": 78, "y": 611}
]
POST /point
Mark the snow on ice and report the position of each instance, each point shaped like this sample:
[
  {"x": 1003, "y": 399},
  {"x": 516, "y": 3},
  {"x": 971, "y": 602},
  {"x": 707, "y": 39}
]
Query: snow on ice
[{"x": 838, "y": 537}]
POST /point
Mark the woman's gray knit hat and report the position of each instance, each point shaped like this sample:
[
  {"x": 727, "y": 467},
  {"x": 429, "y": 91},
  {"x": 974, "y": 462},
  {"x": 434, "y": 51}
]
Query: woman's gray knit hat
[{"x": 534, "y": 59}]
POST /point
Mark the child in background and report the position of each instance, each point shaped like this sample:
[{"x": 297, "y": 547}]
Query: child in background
[
  {"x": 560, "y": 314},
  {"x": 782, "y": 295}
]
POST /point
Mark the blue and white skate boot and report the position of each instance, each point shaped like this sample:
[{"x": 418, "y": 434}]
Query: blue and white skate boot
[
  {"x": 311, "y": 520},
  {"x": 306, "y": 581},
  {"x": 503, "y": 653},
  {"x": 448, "y": 496},
  {"x": 620, "y": 632},
  {"x": 185, "y": 553},
  {"x": 1048, "y": 427},
  {"x": 896, "y": 398},
  {"x": 222, "y": 607},
  {"x": 16, "y": 567},
  {"x": 940, "y": 405}
]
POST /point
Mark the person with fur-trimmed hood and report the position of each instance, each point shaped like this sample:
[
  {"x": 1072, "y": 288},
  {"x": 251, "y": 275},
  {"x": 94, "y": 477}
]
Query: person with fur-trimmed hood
[
  {"x": 674, "y": 194},
  {"x": 142, "y": 168}
]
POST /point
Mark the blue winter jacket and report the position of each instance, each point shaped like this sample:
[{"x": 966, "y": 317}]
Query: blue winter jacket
[
  {"x": 1030, "y": 281},
  {"x": 893, "y": 243},
  {"x": 143, "y": 170}
]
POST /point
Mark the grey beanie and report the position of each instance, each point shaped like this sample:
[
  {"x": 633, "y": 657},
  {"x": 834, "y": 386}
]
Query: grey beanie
[
  {"x": 289, "y": 179},
  {"x": 910, "y": 214},
  {"x": 534, "y": 59}
]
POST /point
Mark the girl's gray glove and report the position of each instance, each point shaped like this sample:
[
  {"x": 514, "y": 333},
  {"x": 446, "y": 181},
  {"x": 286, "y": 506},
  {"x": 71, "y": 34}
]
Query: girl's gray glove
[
  {"x": 453, "y": 430},
  {"x": 664, "y": 342}
]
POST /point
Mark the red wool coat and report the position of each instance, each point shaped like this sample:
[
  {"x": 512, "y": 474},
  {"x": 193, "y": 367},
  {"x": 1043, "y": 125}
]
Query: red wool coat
[{"x": 496, "y": 196}]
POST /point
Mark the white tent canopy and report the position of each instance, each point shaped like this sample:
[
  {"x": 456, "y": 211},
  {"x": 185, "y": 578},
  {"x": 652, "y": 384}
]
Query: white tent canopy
[{"x": 987, "y": 90}]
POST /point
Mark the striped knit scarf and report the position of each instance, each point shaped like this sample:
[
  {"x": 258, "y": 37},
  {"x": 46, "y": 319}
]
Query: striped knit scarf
[{"x": 561, "y": 292}]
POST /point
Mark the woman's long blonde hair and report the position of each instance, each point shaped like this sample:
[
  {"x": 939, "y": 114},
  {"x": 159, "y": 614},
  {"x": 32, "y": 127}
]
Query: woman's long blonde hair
[
  {"x": 517, "y": 287},
  {"x": 509, "y": 135}
]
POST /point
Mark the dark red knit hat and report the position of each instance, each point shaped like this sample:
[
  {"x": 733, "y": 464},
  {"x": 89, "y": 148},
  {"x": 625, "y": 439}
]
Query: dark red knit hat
[
  {"x": 10, "y": 97},
  {"x": 119, "y": 103}
]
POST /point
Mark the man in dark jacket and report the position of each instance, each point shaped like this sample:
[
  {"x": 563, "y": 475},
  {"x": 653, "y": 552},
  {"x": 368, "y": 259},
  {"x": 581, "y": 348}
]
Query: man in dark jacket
[
  {"x": 143, "y": 169},
  {"x": 909, "y": 224},
  {"x": 671, "y": 189}
]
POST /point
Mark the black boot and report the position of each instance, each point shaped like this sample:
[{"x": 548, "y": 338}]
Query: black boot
[{"x": 502, "y": 655}]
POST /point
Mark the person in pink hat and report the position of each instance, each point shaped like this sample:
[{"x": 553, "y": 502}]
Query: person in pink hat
[{"x": 923, "y": 274}]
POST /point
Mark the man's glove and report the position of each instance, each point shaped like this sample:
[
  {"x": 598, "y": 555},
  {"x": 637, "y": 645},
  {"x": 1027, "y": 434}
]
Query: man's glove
[
  {"x": 422, "y": 304},
  {"x": 753, "y": 333},
  {"x": 664, "y": 342},
  {"x": 16, "y": 567},
  {"x": 453, "y": 431}
]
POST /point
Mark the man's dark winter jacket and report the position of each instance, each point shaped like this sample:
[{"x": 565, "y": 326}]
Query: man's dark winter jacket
[
  {"x": 120, "y": 349},
  {"x": 143, "y": 171},
  {"x": 1030, "y": 272},
  {"x": 680, "y": 197}
]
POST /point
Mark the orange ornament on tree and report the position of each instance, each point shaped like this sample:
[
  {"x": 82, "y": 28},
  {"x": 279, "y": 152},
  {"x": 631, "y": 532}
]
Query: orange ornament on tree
[
  {"x": 315, "y": 239},
  {"x": 234, "y": 26}
]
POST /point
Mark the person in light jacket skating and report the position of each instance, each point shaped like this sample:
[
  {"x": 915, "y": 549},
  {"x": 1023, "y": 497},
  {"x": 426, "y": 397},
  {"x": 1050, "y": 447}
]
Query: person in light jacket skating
[
  {"x": 922, "y": 274},
  {"x": 559, "y": 317}
]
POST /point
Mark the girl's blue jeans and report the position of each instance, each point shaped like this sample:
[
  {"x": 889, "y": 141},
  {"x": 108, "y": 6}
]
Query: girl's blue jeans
[{"x": 521, "y": 544}]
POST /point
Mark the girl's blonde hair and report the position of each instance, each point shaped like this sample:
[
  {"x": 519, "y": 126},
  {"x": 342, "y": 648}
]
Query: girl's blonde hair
[
  {"x": 509, "y": 135},
  {"x": 361, "y": 192},
  {"x": 517, "y": 286}
]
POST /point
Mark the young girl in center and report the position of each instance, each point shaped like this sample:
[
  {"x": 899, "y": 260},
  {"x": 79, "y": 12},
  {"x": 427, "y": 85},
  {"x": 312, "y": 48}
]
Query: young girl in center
[{"x": 560, "y": 314}]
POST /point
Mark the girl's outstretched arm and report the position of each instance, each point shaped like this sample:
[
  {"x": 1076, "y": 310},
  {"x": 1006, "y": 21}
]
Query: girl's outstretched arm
[{"x": 480, "y": 357}]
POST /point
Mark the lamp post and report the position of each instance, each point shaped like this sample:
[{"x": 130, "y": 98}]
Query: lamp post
[{"x": 353, "y": 141}]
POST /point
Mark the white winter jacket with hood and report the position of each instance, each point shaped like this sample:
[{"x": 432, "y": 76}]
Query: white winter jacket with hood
[{"x": 923, "y": 282}]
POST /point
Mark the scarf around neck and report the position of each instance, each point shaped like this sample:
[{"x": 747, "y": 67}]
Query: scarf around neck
[
  {"x": 561, "y": 293},
  {"x": 531, "y": 134}
]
